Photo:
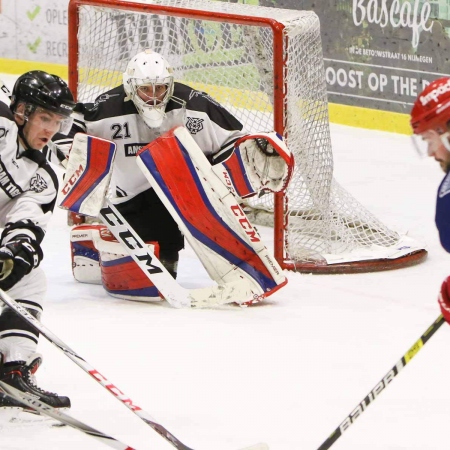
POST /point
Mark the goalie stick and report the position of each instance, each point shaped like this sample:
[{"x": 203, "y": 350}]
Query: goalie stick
[
  {"x": 174, "y": 293},
  {"x": 382, "y": 384},
  {"x": 36, "y": 405},
  {"x": 99, "y": 378}
]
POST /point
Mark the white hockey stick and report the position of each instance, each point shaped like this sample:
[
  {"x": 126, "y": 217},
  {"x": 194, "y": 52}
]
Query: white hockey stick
[
  {"x": 99, "y": 378},
  {"x": 38, "y": 406},
  {"x": 86, "y": 367},
  {"x": 5, "y": 89},
  {"x": 30, "y": 401},
  {"x": 176, "y": 295}
]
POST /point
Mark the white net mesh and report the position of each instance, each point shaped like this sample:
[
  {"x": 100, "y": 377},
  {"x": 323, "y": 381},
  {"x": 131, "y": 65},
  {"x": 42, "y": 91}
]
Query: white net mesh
[{"x": 235, "y": 64}]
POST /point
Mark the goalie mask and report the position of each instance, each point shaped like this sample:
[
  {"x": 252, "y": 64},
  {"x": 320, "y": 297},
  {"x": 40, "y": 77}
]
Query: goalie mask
[{"x": 148, "y": 82}]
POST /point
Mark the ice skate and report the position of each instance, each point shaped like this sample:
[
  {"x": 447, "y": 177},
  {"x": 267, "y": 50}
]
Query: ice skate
[{"x": 20, "y": 374}]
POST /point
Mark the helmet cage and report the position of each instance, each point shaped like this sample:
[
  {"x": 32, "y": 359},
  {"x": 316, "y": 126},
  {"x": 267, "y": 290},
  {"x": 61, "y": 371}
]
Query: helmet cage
[{"x": 153, "y": 109}]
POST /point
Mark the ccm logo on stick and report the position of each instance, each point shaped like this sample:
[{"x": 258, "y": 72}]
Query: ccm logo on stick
[{"x": 116, "y": 391}]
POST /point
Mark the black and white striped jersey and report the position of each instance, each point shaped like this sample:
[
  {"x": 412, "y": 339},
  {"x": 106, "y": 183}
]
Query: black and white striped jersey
[
  {"x": 28, "y": 185},
  {"x": 114, "y": 117}
]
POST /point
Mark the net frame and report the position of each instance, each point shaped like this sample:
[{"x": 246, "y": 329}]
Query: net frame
[{"x": 287, "y": 220}]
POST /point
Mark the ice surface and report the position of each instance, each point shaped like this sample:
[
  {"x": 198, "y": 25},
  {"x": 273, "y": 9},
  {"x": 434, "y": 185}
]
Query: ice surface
[{"x": 287, "y": 372}]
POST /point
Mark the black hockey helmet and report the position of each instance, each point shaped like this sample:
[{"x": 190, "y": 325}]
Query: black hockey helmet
[{"x": 39, "y": 88}]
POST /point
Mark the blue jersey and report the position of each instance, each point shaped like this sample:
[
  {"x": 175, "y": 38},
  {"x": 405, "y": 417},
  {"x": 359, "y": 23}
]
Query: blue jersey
[{"x": 443, "y": 212}]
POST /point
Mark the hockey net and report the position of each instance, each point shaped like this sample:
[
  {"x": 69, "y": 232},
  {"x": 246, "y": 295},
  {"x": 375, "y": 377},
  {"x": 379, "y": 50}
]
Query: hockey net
[{"x": 265, "y": 65}]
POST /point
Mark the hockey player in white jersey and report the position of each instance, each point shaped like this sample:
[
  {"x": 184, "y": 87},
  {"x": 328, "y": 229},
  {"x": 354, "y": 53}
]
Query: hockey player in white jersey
[
  {"x": 148, "y": 104},
  {"x": 41, "y": 105}
]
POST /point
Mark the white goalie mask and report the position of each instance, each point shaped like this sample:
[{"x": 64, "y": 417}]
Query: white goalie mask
[{"x": 148, "y": 82}]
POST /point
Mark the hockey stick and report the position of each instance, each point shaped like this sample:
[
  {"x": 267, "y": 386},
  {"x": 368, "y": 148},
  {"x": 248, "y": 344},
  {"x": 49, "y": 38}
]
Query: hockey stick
[
  {"x": 99, "y": 378},
  {"x": 151, "y": 266},
  {"x": 71, "y": 354},
  {"x": 382, "y": 384},
  {"x": 176, "y": 295},
  {"x": 36, "y": 405},
  {"x": 5, "y": 89}
]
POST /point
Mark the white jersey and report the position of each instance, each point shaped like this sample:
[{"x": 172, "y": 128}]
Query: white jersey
[
  {"x": 28, "y": 185},
  {"x": 115, "y": 118}
]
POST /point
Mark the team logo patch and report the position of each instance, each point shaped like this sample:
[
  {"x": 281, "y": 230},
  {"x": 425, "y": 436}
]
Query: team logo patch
[
  {"x": 132, "y": 149},
  {"x": 194, "y": 124},
  {"x": 37, "y": 183}
]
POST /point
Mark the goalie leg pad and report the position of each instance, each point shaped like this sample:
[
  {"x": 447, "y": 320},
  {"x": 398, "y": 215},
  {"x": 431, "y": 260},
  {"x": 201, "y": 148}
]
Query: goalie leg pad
[
  {"x": 209, "y": 216},
  {"x": 122, "y": 277},
  {"x": 85, "y": 256},
  {"x": 99, "y": 259}
]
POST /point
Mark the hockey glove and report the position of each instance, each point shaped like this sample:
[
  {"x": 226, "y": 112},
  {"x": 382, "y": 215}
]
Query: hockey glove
[
  {"x": 17, "y": 258},
  {"x": 267, "y": 160},
  {"x": 444, "y": 299}
]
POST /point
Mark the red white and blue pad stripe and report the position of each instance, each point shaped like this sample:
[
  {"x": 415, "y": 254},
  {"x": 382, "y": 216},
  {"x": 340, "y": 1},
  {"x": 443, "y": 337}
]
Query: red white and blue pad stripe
[
  {"x": 208, "y": 214},
  {"x": 235, "y": 175},
  {"x": 88, "y": 174}
]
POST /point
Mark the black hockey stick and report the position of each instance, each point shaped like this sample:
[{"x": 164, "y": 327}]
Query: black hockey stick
[
  {"x": 38, "y": 406},
  {"x": 381, "y": 385},
  {"x": 77, "y": 359}
]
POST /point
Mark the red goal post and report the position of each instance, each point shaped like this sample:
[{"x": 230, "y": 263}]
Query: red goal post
[{"x": 265, "y": 65}]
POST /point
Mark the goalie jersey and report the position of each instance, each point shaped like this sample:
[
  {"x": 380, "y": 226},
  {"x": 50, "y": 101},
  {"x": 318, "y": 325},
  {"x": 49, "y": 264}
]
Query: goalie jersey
[
  {"x": 28, "y": 185},
  {"x": 114, "y": 117}
]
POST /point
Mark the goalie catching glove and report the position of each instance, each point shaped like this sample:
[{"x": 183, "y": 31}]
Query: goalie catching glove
[
  {"x": 260, "y": 162},
  {"x": 17, "y": 258}
]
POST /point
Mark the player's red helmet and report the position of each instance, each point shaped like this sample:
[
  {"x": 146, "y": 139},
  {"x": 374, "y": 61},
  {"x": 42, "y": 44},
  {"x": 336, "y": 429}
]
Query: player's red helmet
[{"x": 431, "y": 110}]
